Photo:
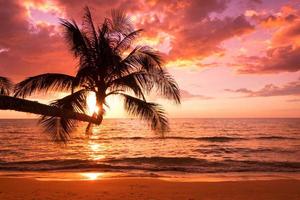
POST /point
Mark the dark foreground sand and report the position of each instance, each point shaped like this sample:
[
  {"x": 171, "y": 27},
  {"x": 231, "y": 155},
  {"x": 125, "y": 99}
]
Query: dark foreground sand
[{"x": 142, "y": 188}]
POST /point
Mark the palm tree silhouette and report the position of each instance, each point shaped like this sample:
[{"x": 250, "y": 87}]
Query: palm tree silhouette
[{"x": 108, "y": 65}]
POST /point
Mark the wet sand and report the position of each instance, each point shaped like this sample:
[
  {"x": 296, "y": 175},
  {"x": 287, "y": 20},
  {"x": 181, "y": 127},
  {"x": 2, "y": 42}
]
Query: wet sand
[{"x": 147, "y": 188}]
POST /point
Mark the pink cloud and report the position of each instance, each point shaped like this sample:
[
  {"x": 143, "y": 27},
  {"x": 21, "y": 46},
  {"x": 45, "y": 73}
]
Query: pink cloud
[
  {"x": 278, "y": 59},
  {"x": 204, "y": 38},
  {"x": 187, "y": 95},
  {"x": 291, "y": 88},
  {"x": 283, "y": 52}
]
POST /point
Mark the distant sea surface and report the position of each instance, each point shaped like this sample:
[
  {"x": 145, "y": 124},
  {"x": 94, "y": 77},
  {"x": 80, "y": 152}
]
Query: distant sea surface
[{"x": 125, "y": 145}]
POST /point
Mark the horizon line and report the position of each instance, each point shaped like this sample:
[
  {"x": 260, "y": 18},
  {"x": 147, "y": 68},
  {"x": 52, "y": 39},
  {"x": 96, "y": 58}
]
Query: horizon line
[{"x": 110, "y": 118}]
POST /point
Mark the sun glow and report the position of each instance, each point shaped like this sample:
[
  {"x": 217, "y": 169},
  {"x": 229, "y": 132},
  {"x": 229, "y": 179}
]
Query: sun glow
[
  {"x": 92, "y": 176},
  {"x": 92, "y": 103}
]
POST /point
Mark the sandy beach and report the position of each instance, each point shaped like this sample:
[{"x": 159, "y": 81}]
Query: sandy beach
[{"x": 147, "y": 188}]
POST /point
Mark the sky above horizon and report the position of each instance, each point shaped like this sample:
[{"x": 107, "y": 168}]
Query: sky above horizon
[{"x": 231, "y": 58}]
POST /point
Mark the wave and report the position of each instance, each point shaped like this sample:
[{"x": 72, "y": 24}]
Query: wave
[
  {"x": 276, "y": 138},
  {"x": 240, "y": 150},
  {"x": 156, "y": 159},
  {"x": 213, "y": 138},
  {"x": 178, "y": 164},
  {"x": 210, "y": 139},
  {"x": 205, "y": 138}
]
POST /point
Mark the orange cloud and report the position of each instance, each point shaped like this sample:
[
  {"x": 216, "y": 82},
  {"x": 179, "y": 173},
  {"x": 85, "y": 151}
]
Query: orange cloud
[
  {"x": 289, "y": 34},
  {"x": 204, "y": 38}
]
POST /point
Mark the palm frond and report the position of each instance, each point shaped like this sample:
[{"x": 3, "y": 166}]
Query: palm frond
[
  {"x": 120, "y": 22},
  {"x": 6, "y": 86},
  {"x": 85, "y": 76},
  {"x": 74, "y": 102},
  {"x": 74, "y": 36},
  {"x": 160, "y": 79},
  {"x": 126, "y": 42},
  {"x": 89, "y": 26},
  {"x": 44, "y": 83},
  {"x": 166, "y": 85},
  {"x": 132, "y": 82},
  {"x": 124, "y": 67},
  {"x": 140, "y": 58},
  {"x": 105, "y": 54},
  {"x": 151, "y": 112},
  {"x": 79, "y": 43},
  {"x": 145, "y": 57},
  {"x": 58, "y": 128}
]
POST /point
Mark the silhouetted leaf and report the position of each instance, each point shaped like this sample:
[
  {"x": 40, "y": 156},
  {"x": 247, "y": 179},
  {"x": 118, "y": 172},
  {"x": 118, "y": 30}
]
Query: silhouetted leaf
[
  {"x": 5, "y": 86},
  {"x": 44, "y": 83}
]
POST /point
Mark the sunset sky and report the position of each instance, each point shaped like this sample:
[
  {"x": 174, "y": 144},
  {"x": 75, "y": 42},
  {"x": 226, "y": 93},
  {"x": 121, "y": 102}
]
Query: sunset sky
[{"x": 231, "y": 58}]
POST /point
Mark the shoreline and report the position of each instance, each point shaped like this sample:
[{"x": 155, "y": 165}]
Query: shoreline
[
  {"x": 147, "y": 188},
  {"x": 171, "y": 176}
]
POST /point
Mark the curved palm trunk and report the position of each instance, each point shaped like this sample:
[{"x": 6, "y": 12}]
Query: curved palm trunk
[
  {"x": 90, "y": 125},
  {"x": 99, "y": 116},
  {"x": 22, "y": 105}
]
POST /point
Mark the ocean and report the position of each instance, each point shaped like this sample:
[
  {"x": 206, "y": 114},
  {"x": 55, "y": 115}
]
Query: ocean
[{"x": 193, "y": 146}]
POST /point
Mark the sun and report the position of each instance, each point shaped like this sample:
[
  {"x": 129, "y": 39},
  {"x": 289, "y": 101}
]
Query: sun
[
  {"x": 92, "y": 176},
  {"x": 92, "y": 103}
]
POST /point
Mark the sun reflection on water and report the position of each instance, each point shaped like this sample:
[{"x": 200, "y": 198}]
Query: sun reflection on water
[
  {"x": 95, "y": 150},
  {"x": 95, "y": 147}
]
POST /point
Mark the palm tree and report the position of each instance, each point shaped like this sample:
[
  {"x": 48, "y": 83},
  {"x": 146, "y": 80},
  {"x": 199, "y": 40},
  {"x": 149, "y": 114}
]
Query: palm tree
[{"x": 108, "y": 65}]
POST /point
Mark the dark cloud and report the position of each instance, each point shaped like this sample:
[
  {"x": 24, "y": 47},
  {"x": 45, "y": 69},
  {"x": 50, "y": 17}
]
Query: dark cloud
[
  {"x": 279, "y": 59},
  {"x": 30, "y": 51},
  {"x": 12, "y": 20},
  {"x": 273, "y": 21},
  {"x": 198, "y": 10},
  {"x": 291, "y": 88}
]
